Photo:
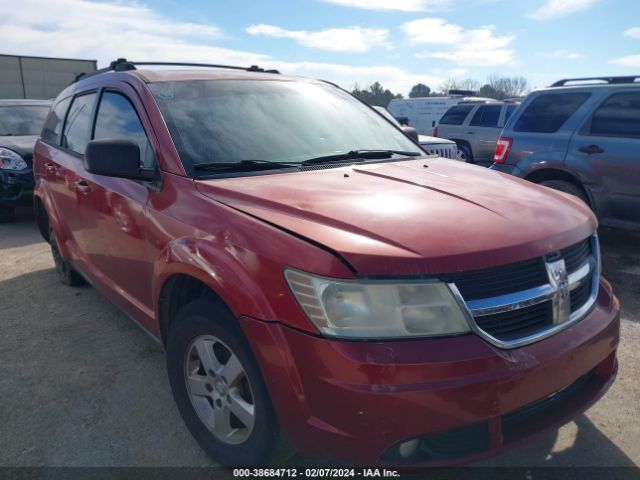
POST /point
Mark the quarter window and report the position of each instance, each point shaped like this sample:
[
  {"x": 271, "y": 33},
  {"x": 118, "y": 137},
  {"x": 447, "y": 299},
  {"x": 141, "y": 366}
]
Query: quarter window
[
  {"x": 53, "y": 126},
  {"x": 548, "y": 113},
  {"x": 77, "y": 127},
  {"x": 456, "y": 115},
  {"x": 487, "y": 116},
  {"x": 117, "y": 119},
  {"x": 509, "y": 112},
  {"x": 618, "y": 116}
]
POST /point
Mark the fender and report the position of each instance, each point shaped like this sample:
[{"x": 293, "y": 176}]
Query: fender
[{"x": 216, "y": 268}]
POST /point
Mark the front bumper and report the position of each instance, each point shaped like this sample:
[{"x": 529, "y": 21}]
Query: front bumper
[
  {"x": 16, "y": 187},
  {"x": 358, "y": 400}
]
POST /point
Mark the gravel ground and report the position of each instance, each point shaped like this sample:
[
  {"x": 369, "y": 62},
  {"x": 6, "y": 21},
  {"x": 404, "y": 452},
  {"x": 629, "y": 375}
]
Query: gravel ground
[{"x": 81, "y": 385}]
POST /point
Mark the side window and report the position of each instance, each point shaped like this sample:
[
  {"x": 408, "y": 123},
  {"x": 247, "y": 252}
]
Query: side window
[
  {"x": 618, "y": 116},
  {"x": 487, "y": 116},
  {"x": 456, "y": 115},
  {"x": 547, "y": 113},
  {"x": 509, "y": 112},
  {"x": 117, "y": 118},
  {"x": 53, "y": 126},
  {"x": 77, "y": 128}
]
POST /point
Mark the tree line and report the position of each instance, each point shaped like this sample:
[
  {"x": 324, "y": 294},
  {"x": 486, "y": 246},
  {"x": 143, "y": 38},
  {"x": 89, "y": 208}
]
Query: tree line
[{"x": 496, "y": 87}]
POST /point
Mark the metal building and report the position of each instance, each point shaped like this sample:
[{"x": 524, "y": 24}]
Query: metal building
[{"x": 39, "y": 77}]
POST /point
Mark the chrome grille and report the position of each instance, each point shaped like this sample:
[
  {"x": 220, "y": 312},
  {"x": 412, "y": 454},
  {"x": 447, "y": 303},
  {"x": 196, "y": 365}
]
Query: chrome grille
[
  {"x": 448, "y": 151},
  {"x": 517, "y": 304}
]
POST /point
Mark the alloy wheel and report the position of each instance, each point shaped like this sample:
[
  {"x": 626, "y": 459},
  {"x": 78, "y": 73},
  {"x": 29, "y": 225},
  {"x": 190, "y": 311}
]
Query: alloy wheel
[{"x": 219, "y": 390}]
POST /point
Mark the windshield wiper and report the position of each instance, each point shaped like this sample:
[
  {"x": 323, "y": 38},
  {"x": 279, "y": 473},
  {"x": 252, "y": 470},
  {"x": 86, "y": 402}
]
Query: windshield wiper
[
  {"x": 360, "y": 155},
  {"x": 242, "y": 166}
]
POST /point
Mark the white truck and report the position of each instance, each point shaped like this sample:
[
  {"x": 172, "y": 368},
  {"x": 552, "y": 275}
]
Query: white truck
[{"x": 423, "y": 113}]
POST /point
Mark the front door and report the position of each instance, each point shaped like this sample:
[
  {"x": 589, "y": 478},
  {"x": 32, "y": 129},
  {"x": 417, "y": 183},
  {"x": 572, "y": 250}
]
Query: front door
[
  {"x": 117, "y": 245},
  {"x": 608, "y": 148}
]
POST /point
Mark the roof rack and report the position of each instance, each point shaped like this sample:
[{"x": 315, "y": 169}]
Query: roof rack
[
  {"x": 123, "y": 65},
  {"x": 612, "y": 80}
]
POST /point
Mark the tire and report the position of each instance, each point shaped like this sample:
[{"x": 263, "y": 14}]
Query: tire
[
  {"x": 566, "y": 187},
  {"x": 203, "y": 329},
  {"x": 464, "y": 153},
  {"x": 7, "y": 214},
  {"x": 65, "y": 271}
]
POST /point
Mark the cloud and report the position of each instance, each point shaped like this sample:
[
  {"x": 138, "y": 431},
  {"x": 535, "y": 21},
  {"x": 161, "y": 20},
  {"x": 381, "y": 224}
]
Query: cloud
[
  {"x": 633, "y": 33},
  {"x": 350, "y": 39},
  {"x": 473, "y": 47},
  {"x": 552, "y": 9},
  {"x": 631, "y": 61},
  {"x": 105, "y": 31},
  {"x": 561, "y": 54},
  {"x": 401, "y": 5}
]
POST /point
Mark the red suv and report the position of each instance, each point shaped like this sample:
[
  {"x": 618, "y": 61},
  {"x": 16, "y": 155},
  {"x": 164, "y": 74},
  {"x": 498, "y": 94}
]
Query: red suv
[{"x": 315, "y": 279}]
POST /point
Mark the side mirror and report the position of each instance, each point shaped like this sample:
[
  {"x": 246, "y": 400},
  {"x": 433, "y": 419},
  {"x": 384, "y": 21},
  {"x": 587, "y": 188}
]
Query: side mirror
[
  {"x": 410, "y": 132},
  {"x": 116, "y": 158}
]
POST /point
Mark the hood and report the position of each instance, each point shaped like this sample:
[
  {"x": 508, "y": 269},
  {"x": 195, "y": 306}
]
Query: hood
[
  {"x": 412, "y": 217},
  {"x": 22, "y": 145},
  {"x": 435, "y": 140}
]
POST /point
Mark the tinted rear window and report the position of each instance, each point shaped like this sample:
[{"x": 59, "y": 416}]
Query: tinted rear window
[
  {"x": 509, "y": 112},
  {"x": 618, "y": 116},
  {"x": 456, "y": 115},
  {"x": 547, "y": 113},
  {"x": 53, "y": 127},
  {"x": 77, "y": 128},
  {"x": 487, "y": 116}
]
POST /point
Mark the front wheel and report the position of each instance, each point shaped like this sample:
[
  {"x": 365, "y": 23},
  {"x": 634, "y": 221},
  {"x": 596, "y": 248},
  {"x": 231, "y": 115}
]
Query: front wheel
[{"x": 219, "y": 389}]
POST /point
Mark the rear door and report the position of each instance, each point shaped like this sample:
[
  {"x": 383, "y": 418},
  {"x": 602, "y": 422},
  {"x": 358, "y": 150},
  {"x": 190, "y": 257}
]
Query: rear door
[
  {"x": 608, "y": 148},
  {"x": 64, "y": 160},
  {"x": 483, "y": 132},
  {"x": 116, "y": 207}
]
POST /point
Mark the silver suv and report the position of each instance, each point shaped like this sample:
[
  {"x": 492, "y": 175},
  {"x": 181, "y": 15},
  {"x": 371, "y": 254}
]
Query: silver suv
[
  {"x": 475, "y": 127},
  {"x": 581, "y": 136}
]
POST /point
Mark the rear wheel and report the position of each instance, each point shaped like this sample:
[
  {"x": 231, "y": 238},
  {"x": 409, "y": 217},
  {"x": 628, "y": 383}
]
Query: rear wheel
[
  {"x": 566, "y": 187},
  {"x": 464, "y": 153},
  {"x": 65, "y": 271},
  {"x": 219, "y": 389}
]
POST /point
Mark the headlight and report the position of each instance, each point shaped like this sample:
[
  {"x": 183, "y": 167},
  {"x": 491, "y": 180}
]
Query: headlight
[
  {"x": 378, "y": 309},
  {"x": 10, "y": 160}
]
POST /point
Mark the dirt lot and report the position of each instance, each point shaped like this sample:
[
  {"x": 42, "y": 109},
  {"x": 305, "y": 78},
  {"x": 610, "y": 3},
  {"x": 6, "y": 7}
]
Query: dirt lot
[{"x": 81, "y": 385}]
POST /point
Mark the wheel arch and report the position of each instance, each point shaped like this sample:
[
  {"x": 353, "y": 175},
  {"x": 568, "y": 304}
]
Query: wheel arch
[
  {"x": 543, "y": 174},
  {"x": 189, "y": 269}
]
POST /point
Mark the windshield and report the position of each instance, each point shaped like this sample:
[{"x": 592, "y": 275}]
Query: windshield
[
  {"x": 275, "y": 121},
  {"x": 22, "y": 120}
]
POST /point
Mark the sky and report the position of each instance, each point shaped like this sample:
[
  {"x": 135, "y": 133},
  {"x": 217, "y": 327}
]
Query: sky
[{"x": 396, "y": 42}]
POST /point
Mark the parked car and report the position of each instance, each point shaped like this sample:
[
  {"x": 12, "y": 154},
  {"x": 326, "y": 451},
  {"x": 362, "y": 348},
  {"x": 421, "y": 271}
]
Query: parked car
[
  {"x": 20, "y": 124},
  {"x": 316, "y": 280},
  {"x": 432, "y": 145},
  {"x": 423, "y": 113},
  {"x": 581, "y": 136},
  {"x": 475, "y": 127}
]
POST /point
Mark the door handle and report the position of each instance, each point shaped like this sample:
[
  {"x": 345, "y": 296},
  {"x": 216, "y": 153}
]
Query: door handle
[
  {"x": 591, "y": 149},
  {"x": 82, "y": 187},
  {"x": 50, "y": 167}
]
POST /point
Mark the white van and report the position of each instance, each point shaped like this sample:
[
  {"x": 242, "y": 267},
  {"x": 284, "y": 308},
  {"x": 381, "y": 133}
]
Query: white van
[{"x": 423, "y": 113}]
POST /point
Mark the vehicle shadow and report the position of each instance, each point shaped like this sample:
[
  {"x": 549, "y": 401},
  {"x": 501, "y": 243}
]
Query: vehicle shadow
[{"x": 19, "y": 232}]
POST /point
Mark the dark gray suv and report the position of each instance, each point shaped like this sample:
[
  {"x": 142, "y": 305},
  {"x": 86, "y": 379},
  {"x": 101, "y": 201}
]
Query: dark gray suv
[{"x": 581, "y": 136}]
